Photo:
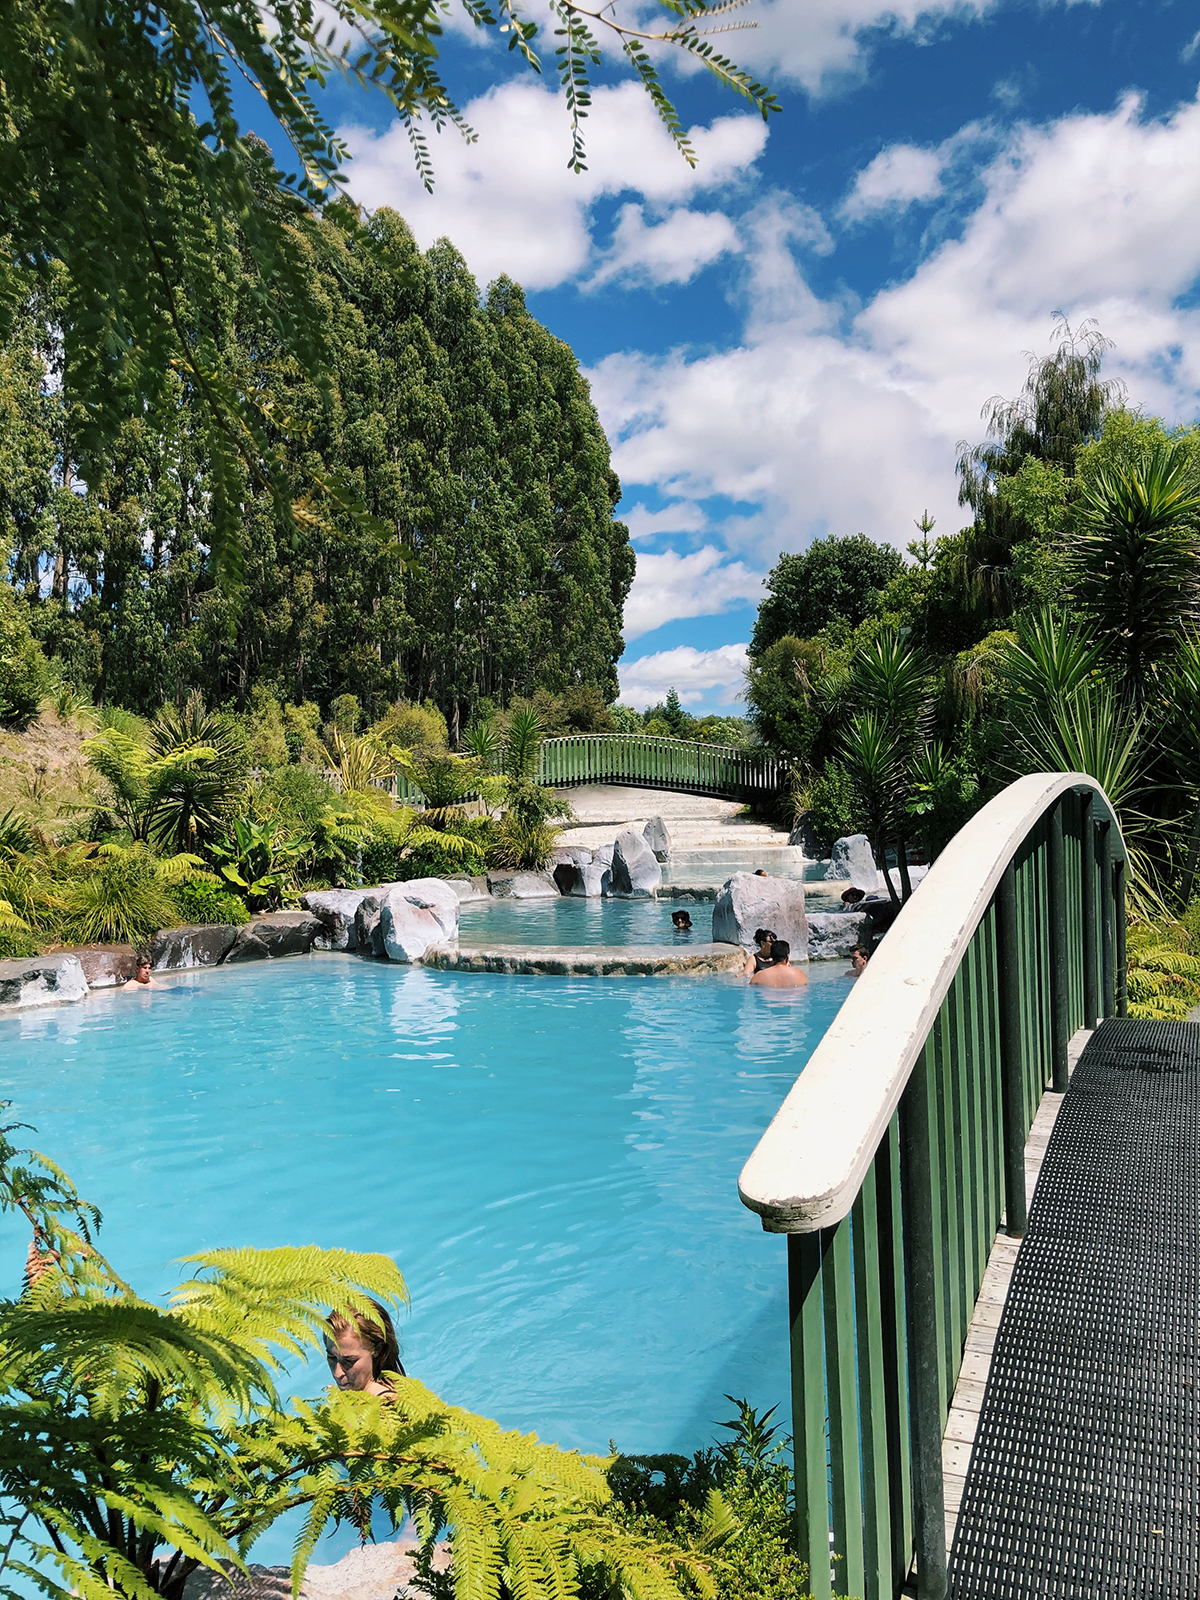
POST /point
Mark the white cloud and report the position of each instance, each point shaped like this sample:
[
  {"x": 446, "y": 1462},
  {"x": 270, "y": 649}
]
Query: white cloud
[
  {"x": 896, "y": 178},
  {"x": 696, "y": 674},
  {"x": 670, "y": 252},
  {"x": 670, "y": 586},
  {"x": 834, "y": 426},
  {"x": 683, "y": 517},
  {"x": 510, "y": 203}
]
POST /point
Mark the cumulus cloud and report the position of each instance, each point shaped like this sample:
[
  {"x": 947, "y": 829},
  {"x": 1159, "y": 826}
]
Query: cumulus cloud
[
  {"x": 697, "y": 675},
  {"x": 511, "y": 205},
  {"x": 670, "y": 586},
  {"x": 836, "y": 426},
  {"x": 669, "y": 252},
  {"x": 895, "y": 179},
  {"x": 683, "y": 517}
]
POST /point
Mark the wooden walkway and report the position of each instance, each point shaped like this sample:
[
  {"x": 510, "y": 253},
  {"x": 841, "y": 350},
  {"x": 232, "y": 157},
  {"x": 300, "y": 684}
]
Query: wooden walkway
[{"x": 1084, "y": 1452}]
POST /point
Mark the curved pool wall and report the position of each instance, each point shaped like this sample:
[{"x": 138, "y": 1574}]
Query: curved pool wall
[{"x": 553, "y": 1165}]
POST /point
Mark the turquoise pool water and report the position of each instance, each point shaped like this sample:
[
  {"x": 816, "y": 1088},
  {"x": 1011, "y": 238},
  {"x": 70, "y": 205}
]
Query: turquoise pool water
[
  {"x": 567, "y": 920},
  {"x": 552, "y": 1162}
]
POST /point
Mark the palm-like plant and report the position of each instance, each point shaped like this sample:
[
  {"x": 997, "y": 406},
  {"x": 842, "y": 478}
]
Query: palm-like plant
[
  {"x": 1135, "y": 562},
  {"x": 140, "y": 1443},
  {"x": 176, "y": 790},
  {"x": 359, "y": 762},
  {"x": 484, "y": 742},
  {"x": 875, "y": 758}
]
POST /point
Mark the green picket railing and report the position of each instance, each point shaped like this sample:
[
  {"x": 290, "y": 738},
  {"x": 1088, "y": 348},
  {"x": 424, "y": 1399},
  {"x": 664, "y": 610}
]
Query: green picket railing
[
  {"x": 647, "y": 762},
  {"x": 899, "y": 1154}
]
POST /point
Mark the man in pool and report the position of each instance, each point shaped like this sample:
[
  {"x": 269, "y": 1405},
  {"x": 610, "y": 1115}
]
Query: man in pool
[
  {"x": 141, "y": 976},
  {"x": 682, "y": 921},
  {"x": 780, "y": 974}
]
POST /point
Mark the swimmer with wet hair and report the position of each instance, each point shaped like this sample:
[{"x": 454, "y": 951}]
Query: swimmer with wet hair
[
  {"x": 360, "y": 1349},
  {"x": 780, "y": 974},
  {"x": 764, "y": 938}
]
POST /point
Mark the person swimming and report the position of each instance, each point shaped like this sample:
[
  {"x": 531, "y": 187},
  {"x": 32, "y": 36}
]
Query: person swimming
[
  {"x": 764, "y": 938},
  {"x": 141, "y": 976},
  {"x": 682, "y": 921},
  {"x": 779, "y": 973},
  {"x": 361, "y": 1349}
]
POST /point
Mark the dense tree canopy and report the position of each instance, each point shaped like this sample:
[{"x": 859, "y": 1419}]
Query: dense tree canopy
[
  {"x": 833, "y": 580},
  {"x": 123, "y": 164},
  {"x": 471, "y": 553}
]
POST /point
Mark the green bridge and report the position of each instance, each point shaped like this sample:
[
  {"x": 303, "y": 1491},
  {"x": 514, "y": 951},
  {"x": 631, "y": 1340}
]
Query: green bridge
[
  {"x": 722, "y": 772},
  {"x": 989, "y": 1180}
]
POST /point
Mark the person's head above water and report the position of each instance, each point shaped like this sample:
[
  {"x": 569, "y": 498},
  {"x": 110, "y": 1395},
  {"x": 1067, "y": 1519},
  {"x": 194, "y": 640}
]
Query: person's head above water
[
  {"x": 859, "y": 957},
  {"x": 782, "y": 951},
  {"x": 360, "y": 1348},
  {"x": 681, "y": 919},
  {"x": 764, "y": 938}
]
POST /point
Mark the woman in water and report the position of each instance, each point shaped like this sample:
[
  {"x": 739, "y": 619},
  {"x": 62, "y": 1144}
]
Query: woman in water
[
  {"x": 361, "y": 1349},
  {"x": 764, "y": 939}
]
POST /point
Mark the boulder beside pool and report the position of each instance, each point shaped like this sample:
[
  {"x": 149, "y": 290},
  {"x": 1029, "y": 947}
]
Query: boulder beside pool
[
  {"x": 416, "y": 917},
  {"x": 852, "y": 861},
  {"x": 40, "y": 981},
  {"x": 834, "y": 934},
  {"x": 635, "y": 872},
  {"x": 468, "y": 888},
  {"x": 105, "y": 965},
  {"x": 522, "y": 886},
  {"x": 656, "y": 836},
  {"x": 337, "y": 909},
  {"x": 747, "y": 902},
  {"x": 275, "y": 934},
  {"x": 202, "y": 944}
]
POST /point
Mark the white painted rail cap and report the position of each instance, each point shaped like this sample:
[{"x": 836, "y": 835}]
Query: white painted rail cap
[{"x": 809, "y": 1165}]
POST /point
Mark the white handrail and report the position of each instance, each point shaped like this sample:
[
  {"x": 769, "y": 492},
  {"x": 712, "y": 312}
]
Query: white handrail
[{"x": 809, "y": 1165}]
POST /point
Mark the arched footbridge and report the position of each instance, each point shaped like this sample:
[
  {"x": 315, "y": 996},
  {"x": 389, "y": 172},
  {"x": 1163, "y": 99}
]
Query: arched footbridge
[
  {"x": 722, "y": 772},
  {"x": 989, "y": 1179}
]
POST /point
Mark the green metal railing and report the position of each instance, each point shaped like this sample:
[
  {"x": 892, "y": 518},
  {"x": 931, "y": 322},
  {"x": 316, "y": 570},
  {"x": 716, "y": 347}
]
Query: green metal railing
[
  {"x": 721, "y": 771},
  {"x": 900, "y": 1153}
]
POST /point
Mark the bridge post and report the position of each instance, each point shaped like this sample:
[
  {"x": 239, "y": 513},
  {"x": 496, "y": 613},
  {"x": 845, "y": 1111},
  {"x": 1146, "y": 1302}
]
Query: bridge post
[
  {"x": 1011, "y": 976},
  {"x": 1091, "y": 955},
  {"x": 923, "y": 1318},
  {"x": 1108, "y": 919},
  {"x": 1060, "y": 999},
  {"x": 811, "y": 1473},
  {"x": 1119, "y": 912}
]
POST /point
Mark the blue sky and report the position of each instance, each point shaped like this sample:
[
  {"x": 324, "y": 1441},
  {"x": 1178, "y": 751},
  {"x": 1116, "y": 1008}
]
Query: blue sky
[{"x": 791, "y": 339}]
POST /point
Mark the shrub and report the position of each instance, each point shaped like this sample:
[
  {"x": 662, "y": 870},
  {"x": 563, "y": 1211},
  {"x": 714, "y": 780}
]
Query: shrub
[
  {"x": 731, "y": 1503},
  {"x": 833, "y": 804},
  {"x": 120, "y": 898},
  {"x": 22, "y": 665},
  {"x": 208, "y": 902},
  {"x": 16, "y": 942},
  {"x": 298, "y": 795},
  {"x": 419, "y": 728}
]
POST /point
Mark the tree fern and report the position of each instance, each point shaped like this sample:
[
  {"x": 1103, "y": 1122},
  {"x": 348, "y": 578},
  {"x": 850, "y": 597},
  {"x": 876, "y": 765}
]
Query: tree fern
[{"x": 139, "y": 1442}]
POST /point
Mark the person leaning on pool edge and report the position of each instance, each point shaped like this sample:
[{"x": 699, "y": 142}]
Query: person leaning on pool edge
[
  {"x": 360, "y": 1349},
  {"x": 765, "y": 940},
  {"x": 779, "y": 973},
  {"x": 141, "y": 975}
]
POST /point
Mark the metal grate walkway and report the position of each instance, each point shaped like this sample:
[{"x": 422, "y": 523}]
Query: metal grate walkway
[{"x": 1084, "y": 1479}]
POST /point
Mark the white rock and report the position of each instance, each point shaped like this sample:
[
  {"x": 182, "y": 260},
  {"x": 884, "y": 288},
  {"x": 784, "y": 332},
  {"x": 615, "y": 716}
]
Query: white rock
[
  {"x": 833, "y": 934},
  {"x": 915, "y": 874},
  {"x": 337, "y": 909},
  {"x": 656, "y": 836},
  {"x": 584, "y": 883},
  {"x": 522, "y": 886},
  {"x": 40, "y": 981},
  {"x": 470, "y": 888},
  {"x": 747, "y": 902},
  {"x": 605, "y": 855},
  {"x": 853, "y": 862},
  {"x": 635, "y": 872},
  {"x": 407, "y": 930},
  {"x": 435, "y": 896}
]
